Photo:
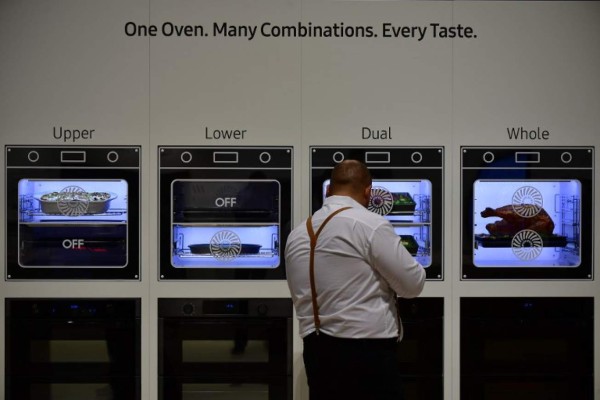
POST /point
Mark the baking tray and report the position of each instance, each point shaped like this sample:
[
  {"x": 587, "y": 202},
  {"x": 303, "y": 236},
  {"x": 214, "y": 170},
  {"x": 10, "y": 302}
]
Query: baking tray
[
  {"x": 204, "y": 248},
  {"x": 490, "y": 241},
  {"x": 75, "y": 207}
]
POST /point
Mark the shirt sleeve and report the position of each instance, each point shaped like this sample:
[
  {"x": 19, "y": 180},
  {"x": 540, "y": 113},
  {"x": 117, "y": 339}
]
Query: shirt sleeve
[{"x": 391, "y": 259}]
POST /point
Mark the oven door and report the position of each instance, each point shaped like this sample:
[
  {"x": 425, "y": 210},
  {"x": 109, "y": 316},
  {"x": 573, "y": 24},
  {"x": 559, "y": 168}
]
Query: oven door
[
  {"x": 527, "y": 220},
  {"x": 421, "y": 351},
  {"x": 225, "y": 388},
  {"x": 77, "y": 388},
  {"x": 228, "y": 347},
  {"x": 535, "y": 348},
  {"x": 411, "y": 198},
  {"x": 68, "y": 220},
  {"x": 225, "y": 214},
  {"x": 226, "y": 224},
  {"x": 225, "y": 349},
  {"x": 57, "y": 348}
]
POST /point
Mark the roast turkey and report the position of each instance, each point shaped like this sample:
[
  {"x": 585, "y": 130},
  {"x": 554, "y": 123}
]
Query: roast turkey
[{"x": 513, "y": 222}]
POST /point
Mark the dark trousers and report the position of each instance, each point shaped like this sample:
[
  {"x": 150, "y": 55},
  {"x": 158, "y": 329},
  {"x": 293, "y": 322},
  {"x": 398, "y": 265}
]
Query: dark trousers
[{"x": 352, "y": 369}]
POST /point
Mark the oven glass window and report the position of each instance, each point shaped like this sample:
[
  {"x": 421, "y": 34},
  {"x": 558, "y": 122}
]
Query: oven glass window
[
  {"x": 72, "y": 223},
  {"x": 216, "y": 391},
  {"x": 225, "y": 223},
  {"x": 526, "y": 223},
  {"x": 407, "y": 205},
  {"x": 71, "y": 391},
  {"x": 69, "y": 351},
  {"x": 225, "y": 351}
]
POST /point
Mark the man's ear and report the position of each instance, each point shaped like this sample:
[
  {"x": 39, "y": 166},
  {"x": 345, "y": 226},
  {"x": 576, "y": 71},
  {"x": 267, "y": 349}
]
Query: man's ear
[{"x": 367, "y": 193}]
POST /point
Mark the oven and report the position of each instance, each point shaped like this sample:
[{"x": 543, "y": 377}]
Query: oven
[
  {"x": 226, "y": 349},
  {"x": 421, "y": 351},
  {"x": 63, "y": 349},
  {"x": 224, "y": 212},
  {"x": 527, "y": 213},
  {"x": 72, "y": 212},
  {"x": 407, "y": 190},
  {"x": 539, "y": 348}
]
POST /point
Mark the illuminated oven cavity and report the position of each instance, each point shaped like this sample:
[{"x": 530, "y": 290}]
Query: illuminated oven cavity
[
  {"x": 225, "y": 223},
  {"x": 526, "y": 223},
  {"x": 72, "y": 223},
  {"x": 407, "y": 205}
]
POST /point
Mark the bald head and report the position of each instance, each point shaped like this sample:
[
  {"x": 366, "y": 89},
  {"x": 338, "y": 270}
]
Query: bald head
[{"x": 351, "y": 178}]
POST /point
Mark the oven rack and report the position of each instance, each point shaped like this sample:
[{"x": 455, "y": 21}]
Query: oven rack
[
  {"x": 409, "y": 223},
  {"x": 222, "y": 224},
  {"x": 110, "y": 213},
  {"x": 188, "y": 254},
  {"x": 489, "y": 241},
  {"x": 422, "y": 215},
  {"x": 62, "y": 223}
]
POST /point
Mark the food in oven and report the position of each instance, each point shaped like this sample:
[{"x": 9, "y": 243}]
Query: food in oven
[
  {"x": 403, "y": 202},
  {"x": 409, "y": 242},
  {"x": 515, "y": 219},
  {"x": 211, "y": 248},
  {"x": 75, "y": 202},
  {"x": 523, "y": 225},
  {"x": 384, "y": 202}
]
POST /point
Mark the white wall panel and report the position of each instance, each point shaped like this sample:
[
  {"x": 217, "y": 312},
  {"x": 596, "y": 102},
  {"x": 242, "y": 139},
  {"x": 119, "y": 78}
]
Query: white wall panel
[{"x": 71, "y": 64}]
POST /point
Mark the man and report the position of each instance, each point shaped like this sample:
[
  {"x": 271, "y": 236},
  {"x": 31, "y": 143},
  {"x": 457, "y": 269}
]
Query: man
[{"x": 347, "y": 315}]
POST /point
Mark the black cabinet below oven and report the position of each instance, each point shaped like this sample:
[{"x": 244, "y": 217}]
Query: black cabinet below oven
[
  {"x": 225, "y": 349},
  {"x": 63, "y": 349},
  {"x": 527, "y": 348},
  {"x": 421, "y": 351}
]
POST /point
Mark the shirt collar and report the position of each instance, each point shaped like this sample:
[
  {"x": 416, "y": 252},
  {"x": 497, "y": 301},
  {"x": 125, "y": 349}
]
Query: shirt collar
[{"x": 342, "y": 201}]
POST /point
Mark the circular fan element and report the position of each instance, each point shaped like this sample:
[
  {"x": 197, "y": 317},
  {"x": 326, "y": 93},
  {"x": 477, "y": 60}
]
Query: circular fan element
[
  {"x": 527, "y": 245},
  {"x": 527, "y": 201},
  {"x": 73, "y": 201},
  {"x": 381, "y": 201},
  {"x": 225, "y": 245}
]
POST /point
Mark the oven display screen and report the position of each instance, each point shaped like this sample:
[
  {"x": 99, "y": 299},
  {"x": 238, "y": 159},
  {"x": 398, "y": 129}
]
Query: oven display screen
[
  {"x": 72, "y": 223},
  {"x": 225, "y": 223},
  {"x": 526, "y": 223},
  {"x": 407, "y": 205}
]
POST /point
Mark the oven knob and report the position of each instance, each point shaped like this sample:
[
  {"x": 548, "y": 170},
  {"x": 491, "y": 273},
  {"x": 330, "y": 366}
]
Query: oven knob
[
  {"x": 338, "y": 157},
  {"x": 188, "y": 309},
  {"x": 265, "y": 157},
  {"x": 416, "y": 157},
  {"x": 33, "y": 156},
  {"x": 262, "y": 309},
  {"x": 566, "y": 157},
  {"x": 112, "y": 157}
]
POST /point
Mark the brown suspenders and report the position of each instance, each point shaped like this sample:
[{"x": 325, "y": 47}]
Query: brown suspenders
[{"x": 313, "y": 243}]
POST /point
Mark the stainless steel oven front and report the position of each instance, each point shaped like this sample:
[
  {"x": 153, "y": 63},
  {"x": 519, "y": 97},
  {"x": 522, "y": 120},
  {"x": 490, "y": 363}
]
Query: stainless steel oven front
[
  {"x": 72, "y": 212},
  {"x": 226, "y": 349}
]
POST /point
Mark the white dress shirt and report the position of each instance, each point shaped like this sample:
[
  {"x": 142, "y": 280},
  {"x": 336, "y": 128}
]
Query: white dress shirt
[{"x": 360, "y": 266}]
